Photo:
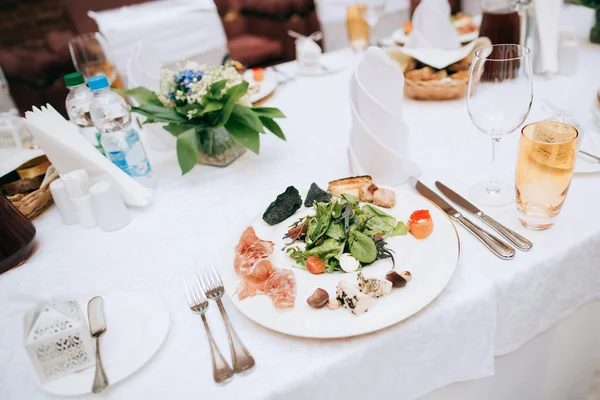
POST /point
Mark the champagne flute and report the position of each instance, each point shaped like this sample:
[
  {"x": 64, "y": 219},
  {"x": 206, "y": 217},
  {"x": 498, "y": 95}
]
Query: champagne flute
[
  {"x": 91, "y": 56},
  {"x": 374, "y": 12},
  {"x": 499, "y": 98}
]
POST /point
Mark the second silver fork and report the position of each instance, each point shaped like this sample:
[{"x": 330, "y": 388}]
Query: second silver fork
[{"x": 214, "y": 290}]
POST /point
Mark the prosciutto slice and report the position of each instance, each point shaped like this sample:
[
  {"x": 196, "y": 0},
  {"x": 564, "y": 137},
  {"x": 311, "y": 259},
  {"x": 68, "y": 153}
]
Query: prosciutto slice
[{"x": 257, "y": 273}]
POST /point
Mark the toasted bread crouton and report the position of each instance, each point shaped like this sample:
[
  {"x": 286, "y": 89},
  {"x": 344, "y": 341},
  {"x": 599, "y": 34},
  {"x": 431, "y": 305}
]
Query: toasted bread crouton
[{"x": 348, "y": 185}]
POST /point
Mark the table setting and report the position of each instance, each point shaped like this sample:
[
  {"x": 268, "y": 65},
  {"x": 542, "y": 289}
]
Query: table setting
[{"x": 368, "y": 245}]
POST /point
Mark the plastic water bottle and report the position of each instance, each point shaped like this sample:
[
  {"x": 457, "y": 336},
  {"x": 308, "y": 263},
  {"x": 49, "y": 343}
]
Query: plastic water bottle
[
  {"x": 121, "y": 143},
  {"x": 78, "y": 107}
]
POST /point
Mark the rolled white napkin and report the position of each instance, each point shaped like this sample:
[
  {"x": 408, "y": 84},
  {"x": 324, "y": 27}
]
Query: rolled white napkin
[
  {"x": 432, "y": 27},
  {"x": 546, "y": 14},
  {"x": 67, "y": 150},
  {"x": 379, "y": 134}
]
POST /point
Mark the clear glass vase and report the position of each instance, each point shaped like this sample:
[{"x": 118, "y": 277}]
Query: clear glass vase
[{"x": 217, "y": 147}]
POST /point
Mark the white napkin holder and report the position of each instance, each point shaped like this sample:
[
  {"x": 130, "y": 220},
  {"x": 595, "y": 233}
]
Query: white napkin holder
[{"x": 57, "y": 340}]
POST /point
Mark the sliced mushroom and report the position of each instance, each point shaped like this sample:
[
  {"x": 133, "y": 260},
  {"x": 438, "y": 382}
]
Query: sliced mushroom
[
  {"x": 318, "y": 299},
  {"x": 396, "y": 279}
]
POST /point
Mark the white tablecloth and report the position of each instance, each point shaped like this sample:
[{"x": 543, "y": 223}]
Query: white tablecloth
[{"x": 490, "y": 307}]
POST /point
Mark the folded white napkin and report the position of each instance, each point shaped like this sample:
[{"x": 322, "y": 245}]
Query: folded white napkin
[
  {"x": 68, "y": 150},
  {"x": 546, "y": 14},
  {"x": 432, "y": 27},
  {"x": 379, "y": 135}
]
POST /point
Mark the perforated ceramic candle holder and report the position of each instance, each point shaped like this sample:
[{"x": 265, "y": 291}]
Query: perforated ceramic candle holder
[{"x": 58, "y": 340}]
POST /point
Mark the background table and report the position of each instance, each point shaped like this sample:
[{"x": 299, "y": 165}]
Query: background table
[{"x": 491, "y": 307}]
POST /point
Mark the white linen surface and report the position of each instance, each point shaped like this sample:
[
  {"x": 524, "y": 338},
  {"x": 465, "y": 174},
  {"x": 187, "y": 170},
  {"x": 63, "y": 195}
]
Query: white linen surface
[
  {"x": 194, "y": 216},
  {"x": 178, "y": 30}
]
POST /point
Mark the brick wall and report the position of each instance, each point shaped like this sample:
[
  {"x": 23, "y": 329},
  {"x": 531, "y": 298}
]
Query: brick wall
[{"x": 24, "y": 23}]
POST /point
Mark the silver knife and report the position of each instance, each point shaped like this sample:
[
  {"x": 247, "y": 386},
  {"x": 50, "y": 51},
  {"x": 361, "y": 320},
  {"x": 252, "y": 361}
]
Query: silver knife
[
  {"x": 97, "y": 329},
  {"x": 519, "y": 241},
  {"x": 497, "y": 246}
]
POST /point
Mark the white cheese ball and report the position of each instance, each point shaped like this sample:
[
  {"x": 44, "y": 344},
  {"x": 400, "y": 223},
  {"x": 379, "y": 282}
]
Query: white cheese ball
[{"x": 348, "y": 263}]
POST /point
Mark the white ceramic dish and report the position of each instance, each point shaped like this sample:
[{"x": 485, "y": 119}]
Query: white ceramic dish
[
  {"x": 137, "y": 324},
  {"x": 585, "y": 164},
  {"x": 400, "y": 37},
  {"x": 265, "y": 87},
  {"x": 431, "y": 261}
]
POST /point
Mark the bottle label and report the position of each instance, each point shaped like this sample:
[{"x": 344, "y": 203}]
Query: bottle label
[{"x": 127, "y": 153}]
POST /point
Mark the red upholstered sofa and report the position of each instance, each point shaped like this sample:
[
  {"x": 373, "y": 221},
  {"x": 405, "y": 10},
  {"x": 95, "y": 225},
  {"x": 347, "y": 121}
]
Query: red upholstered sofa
[{"x": 257, "y": 29}]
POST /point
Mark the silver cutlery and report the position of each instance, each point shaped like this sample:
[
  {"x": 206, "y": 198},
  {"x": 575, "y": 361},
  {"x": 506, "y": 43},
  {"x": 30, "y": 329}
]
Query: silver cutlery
[
  {"x": 97, "y": 329},
  {"x": 519, "y": 241},
  {"x": 286, "y": 77},
  {"x": 595, "y": 157},
  {"x": 497, "y": 246},
  {"x": 222, "y": 372},
  {"x": 213, "y": 287}
]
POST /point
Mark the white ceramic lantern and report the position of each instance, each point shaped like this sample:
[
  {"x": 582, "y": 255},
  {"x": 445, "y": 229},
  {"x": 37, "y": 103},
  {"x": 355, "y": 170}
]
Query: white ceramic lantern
[{"x": 58, "y": 340}]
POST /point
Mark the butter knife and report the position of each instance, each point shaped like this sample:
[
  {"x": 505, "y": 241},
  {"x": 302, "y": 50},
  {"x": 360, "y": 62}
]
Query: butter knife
[
  {"x": 97, "y": 329},
  {"x": 519, "y": 241},
  {"x": 497, "y": 246}
]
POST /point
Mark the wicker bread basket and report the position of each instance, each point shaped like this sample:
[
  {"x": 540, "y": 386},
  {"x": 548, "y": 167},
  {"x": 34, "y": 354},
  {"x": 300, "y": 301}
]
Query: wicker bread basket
[
  {"x": 445, "y": 89},
  {"x": 33, "y": 204}
]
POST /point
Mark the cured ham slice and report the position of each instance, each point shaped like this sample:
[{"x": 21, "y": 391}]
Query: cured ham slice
[
  {"x": 258, "y": 275},
  {"x": 281, "y": 288}
]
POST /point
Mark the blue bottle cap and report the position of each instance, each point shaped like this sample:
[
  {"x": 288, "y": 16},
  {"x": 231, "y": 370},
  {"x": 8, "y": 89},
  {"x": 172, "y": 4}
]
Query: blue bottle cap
[{"x": 98, "y": 82}]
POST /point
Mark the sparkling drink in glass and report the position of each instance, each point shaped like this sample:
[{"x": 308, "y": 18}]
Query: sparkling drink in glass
[
  {"x": 545, "y": 163},
  {"x": 358, "y": 27},
  {"x": 91, "y": 56}
]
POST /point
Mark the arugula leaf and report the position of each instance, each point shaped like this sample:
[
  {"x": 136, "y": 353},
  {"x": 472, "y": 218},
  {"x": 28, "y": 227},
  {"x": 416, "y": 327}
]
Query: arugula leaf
[
  {"x": 187, "y": 150},
  {"x": 244, "y": 135},
  {"x": 229, "y": 99},
  {"x": 362, "y": 247},
  {"x": 268, "y": 112},
  {"x": 175, "y": 129},
  {"x": 245, "y": 116},
  {"x": 160, "y": 113},
  {"x": 400, "y": 230},
  {"x": 272, "y": 126},
  {"x": 215, "y": 89},
  {"x": 336, "y": 231},
  {"x": 142, "y": 95},
  {"x": 323, "y": 218}
]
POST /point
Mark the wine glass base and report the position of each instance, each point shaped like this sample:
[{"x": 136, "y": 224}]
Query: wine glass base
[{"x": 503, "y": 196}]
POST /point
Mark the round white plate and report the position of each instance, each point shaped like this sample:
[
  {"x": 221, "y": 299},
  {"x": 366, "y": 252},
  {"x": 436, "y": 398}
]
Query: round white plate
[
  {"x": 400, "y": 37},
  {"x": 137, "y": 324},
  {"x": 265, "y": 87},
  {"x": 585, "y": 164},
  {"x": 431, "y": 261}
]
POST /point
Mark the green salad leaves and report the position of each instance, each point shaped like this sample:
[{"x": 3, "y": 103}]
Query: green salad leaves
[{"x": 342, "y": 226}]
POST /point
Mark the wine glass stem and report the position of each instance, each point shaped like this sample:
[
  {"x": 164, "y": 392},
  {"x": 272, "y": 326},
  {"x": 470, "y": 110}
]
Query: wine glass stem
[{"x": 493, "y": 187}]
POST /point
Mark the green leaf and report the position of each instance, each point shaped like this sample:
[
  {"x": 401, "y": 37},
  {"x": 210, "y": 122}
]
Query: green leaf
[
  {"x": 322, "y": 218},
  {"x": 336, "y": 231},
  {"x": 160, "y": 113},
  {"x": 215, "y": 89},
  {"x": 245, "y": 116},
  {"x": 244, "y": 135},
  {"x": 268, "y": 112},
  {"x": 376, "y": 212},
  {"x": 400, "y": 230},
  {"x": 350, "y": 198},
  {"x": 272, "y": 126},
  {"x": 187, "y": 150},
  {"x": 229, "y": 99},
  {"x": 142, "y": 95},
  {"x": 211, "y": 106},
  {"x": 175, "y": 129},
  {"x": 336, "y": 210},
  {"x": 376, "y": 225},
  {"x": 362, "y": 247},
  {"x": 328, "y": 249},
  {"x": 183, "y": 110}
]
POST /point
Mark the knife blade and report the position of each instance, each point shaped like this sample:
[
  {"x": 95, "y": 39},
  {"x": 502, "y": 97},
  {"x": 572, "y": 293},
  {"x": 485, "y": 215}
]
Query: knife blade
[
  {"x": 497, "y": 246},
  {"x": 97, "y": 329},
  {"x": 520, "y": 242}
]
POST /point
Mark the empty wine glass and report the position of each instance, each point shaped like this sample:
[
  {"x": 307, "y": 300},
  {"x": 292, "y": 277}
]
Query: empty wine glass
[
  {"x": 91, "y": 56},
  {"x": 499, "y": 98},
  {"x": 374, "y": 12}
]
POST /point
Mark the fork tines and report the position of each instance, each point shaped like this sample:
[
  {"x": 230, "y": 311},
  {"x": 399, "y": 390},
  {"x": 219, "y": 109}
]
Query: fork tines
[
  {"x": 193, "y": 290},
  {"x": 209, "y": 278}
]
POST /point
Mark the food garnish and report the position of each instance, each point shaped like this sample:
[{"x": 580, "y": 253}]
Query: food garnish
[
  {"x": 349, "y": 185},
  {"x": 406, "y": 275},
  {"x": 315, "y": 193},
  {"x": 370, "y": 193},
  {"x": 258, "y": 275},
  {"x": 318, "y": 299},
  {"x": 333, "y": 304},
  {"x": 349, "y": 263},
  {"x": 351, "y": 298},
  {"x": 315, "y": 265},
  {"x": 373, "y": 287},
  {"x": 396, "y": 279},
  {"x": 284, "y": 206},
  {"x": 343, "y": 226},
  {"x": 258, "y": 74},
  {"x": 420, "y": 224}
]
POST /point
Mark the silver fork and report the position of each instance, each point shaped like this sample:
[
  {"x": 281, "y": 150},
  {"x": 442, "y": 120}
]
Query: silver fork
[
  {"x": 199, "y": 304},
  {"x": 213, "y": 287}
]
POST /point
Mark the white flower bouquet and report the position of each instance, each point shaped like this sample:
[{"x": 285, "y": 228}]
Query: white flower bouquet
[{"x": 208, "y": 109}]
